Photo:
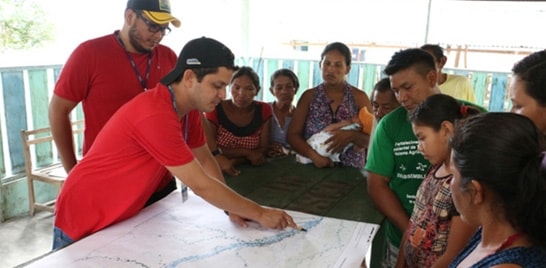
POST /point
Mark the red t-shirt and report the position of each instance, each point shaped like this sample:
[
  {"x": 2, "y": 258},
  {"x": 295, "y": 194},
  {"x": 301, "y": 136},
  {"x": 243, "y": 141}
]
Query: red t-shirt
[
  {"x": 126, "y": 163},
  {"x": 99, "y": 74}
]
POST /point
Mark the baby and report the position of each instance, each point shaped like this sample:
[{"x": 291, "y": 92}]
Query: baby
[{"x": 363, "y": 121}]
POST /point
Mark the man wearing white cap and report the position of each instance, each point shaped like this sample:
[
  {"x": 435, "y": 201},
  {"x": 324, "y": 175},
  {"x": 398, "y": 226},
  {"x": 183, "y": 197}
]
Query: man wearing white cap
[
  {"x": 156, "y": 131},
  {"x": 106, "y": 72}
]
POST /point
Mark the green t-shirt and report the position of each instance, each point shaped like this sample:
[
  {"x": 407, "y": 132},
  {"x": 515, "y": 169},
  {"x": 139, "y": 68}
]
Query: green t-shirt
[{"x": 393, "y": 154}]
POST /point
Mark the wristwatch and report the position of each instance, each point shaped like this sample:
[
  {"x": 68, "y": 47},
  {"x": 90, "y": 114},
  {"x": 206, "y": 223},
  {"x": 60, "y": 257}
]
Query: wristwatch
[{"x": 216, "y": 152}]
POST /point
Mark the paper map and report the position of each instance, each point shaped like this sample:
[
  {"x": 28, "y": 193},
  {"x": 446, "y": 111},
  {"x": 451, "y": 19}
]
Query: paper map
[{"x": 196, "y": 234}]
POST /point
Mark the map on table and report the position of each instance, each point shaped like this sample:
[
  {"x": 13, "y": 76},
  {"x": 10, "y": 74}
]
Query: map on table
[{"x": 196, "y": 234}]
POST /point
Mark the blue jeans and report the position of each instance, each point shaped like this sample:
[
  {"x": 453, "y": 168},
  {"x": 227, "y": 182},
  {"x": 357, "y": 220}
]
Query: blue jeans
[{"x": 60, "y": 239}]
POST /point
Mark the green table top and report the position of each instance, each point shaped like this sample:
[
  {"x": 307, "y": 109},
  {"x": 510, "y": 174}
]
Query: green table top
[{"x": 338, "y": 192}]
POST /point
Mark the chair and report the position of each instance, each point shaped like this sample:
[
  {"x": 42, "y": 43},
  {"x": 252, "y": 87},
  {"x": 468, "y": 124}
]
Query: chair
[{"x": 52, "y": 172}]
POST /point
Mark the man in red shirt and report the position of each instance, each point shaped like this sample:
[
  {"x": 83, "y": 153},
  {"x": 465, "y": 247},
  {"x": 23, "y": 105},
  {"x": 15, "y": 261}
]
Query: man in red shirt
[
  {"x": 104, "y": 73},
  {"x": 157, "y": 132}
]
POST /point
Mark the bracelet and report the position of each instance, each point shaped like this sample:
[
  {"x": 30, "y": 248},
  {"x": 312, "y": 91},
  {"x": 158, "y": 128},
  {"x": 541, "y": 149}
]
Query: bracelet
[{"x": 216, "y": 152}]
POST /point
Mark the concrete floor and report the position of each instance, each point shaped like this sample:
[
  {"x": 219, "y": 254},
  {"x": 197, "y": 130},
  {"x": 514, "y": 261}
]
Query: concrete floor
[{"x": 25, "y": 238}]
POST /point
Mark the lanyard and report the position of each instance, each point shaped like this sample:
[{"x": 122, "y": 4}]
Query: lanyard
[
  {"x": 143, "y": 81},
  {"x": 176, "y": 111}
]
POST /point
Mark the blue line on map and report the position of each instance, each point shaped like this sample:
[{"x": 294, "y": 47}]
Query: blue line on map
[{"x": 247, "y": 244}]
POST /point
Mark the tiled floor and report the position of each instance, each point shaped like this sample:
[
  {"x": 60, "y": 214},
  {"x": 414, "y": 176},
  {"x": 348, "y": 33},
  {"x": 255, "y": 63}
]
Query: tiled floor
[{"x": 25, "y": 238}]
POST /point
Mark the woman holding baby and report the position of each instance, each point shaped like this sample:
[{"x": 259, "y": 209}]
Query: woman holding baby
[{"x": 332, "y": 101}]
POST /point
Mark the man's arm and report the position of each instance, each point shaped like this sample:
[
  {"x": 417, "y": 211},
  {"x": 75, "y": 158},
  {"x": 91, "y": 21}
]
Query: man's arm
[
  {"x": 61, "y": 129},
  {"x": 212, "y": 169},
  {"x": 209, "y": 164},
  {"x": 221, "y": 196},
  {"x": 386, "y": 201}
]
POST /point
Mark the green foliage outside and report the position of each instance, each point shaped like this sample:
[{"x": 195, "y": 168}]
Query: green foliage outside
[{"x": 23, "y": 24}]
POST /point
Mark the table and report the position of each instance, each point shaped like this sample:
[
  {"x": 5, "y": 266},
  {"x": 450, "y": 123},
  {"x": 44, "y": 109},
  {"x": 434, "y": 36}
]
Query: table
[
  {"x": 170, "y": 233},
  {"x": 332, "y": 203},
  {"x": 339, "y": 192}
]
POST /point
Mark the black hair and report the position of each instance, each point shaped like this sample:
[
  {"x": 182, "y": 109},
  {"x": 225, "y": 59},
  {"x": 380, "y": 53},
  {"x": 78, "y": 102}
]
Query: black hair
[
  {"x": 247, "y": 71},
  {"x": 411, "y": 57},
  {"x": 383, "y": 85},
  {"x": 436, "y": 50},
  {"x": 532, "y": 70},
  {"x": 288, "y": 73},
  {"x": 200, "y": 73},
  {"x": 342, "y": 48},
  {"x": 439, "y": 108},
  {"x": 502, "y": 152}
]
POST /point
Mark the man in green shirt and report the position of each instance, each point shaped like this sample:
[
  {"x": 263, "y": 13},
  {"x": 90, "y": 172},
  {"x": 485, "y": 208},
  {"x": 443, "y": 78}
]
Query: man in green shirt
[{"x": 395, "y": 166}]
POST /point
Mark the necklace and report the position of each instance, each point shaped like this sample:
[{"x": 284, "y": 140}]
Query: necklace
[
  {"x": 508, "y": 242},
  {"x": 143, "y": 81}
]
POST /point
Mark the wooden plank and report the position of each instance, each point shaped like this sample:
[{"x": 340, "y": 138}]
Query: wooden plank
[
  {"x": 272, "y": 66},
  {"x": 304, "y": 68},
  {"x": 39, "y": 101},
  {"x": 2, "y": 166},
  {"x": 352, "y": 77},
  {"x": 498, "y": 92},
  {"x": 257, "y": 65},
  {"x": 2, "y": 148},
  {"x": 16, "y": 116},
  {"x": 460, "y": 72},
  {"x": 288, "y": 64},
  {"x": 317, "y": 74},
  {"x": 370, "y": 75},
  {"x": 479, "y": 82}
]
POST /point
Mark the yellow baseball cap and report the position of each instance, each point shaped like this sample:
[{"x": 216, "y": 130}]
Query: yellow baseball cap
[{"x": 158, "y": 11}]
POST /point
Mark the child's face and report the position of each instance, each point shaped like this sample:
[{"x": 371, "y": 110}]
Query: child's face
[
  {"x": 432, "y": 144},
  {"x": 283, "y": 89}
]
